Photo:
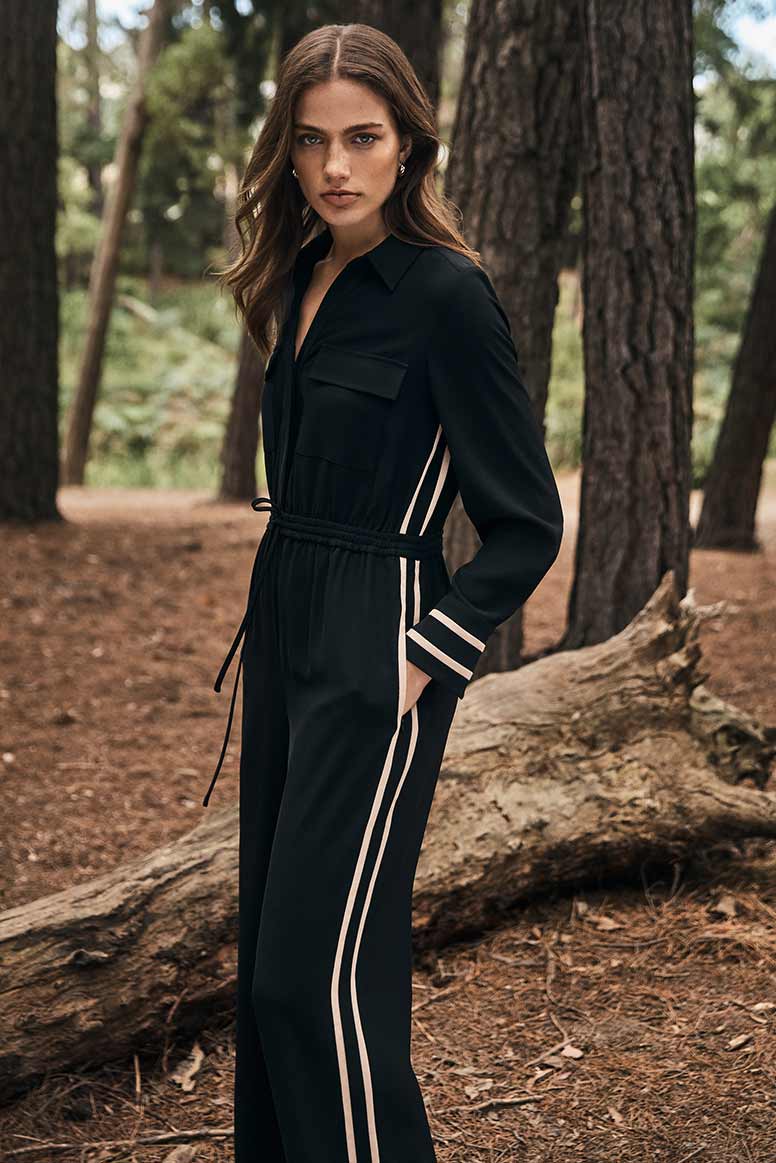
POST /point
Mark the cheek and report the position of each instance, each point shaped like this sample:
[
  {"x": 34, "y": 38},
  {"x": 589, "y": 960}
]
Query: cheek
[{"x": 383, "y": 169}]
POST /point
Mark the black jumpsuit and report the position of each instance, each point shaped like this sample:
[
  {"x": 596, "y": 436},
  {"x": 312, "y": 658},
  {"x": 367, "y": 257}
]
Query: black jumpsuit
[{"x": 406, "y": 390}]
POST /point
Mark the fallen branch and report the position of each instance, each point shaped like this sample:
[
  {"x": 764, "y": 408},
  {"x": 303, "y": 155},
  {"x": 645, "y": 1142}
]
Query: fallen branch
[{"x": 164, "y": 1137}]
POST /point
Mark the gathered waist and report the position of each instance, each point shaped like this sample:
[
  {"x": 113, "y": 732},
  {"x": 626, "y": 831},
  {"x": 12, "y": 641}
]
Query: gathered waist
[
  {"x": 357, "y": 537},
  {"x": 335, "y": 533}
]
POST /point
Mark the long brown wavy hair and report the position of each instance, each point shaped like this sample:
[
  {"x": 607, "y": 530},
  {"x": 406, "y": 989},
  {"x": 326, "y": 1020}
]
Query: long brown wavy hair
[{"x": 274, "y": 220}]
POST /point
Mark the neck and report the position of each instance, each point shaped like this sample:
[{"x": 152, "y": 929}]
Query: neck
[{"x": 350, "y": 241}]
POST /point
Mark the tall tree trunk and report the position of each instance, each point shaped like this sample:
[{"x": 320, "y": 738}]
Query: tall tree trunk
[
  {"x": 732, "y": 485},
  {"x": 29, "y": 299},
  {"x": 295, "y": 20},
  {"x": 639, "y": 206},
  {"x": 94, "y": 109},
  {"x": 102, "y": 280},
  {"x": 417, "y": 28},
  {"x": 241, "y": 439},
  {"x": 241, "y": 435},
  {"x": 513, "y": 171}
]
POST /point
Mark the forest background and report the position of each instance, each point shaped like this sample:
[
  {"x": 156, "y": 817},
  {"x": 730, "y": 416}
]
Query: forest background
[
  {"x": 610, "y": 997},
  {"x": 166, "y": 388}
]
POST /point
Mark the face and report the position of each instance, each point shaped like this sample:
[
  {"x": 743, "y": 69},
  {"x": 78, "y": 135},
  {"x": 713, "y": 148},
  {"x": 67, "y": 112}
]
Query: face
[{"x": 345, "y": 138}]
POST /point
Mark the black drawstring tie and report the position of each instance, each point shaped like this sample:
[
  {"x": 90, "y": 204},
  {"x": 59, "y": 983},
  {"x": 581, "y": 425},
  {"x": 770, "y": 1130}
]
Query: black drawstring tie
[
  {"x": 331, "y": 533},
  {"x": 269, "y": 507}
]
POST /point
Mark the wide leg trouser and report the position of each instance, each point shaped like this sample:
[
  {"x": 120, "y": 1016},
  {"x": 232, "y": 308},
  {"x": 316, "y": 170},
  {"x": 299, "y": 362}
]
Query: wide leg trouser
[{"x": 335, "y": 790}]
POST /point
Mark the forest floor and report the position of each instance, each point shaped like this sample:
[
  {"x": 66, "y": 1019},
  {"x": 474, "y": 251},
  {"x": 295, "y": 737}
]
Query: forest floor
[{"x": 114, "y": 625}]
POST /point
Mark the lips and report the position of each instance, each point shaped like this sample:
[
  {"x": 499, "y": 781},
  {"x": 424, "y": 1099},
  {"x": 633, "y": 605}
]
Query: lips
[{"x": 342, "y": 197}]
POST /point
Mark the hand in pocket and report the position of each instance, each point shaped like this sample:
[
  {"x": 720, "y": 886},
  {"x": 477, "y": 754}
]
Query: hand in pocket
[{"x": 416, "y": 681}]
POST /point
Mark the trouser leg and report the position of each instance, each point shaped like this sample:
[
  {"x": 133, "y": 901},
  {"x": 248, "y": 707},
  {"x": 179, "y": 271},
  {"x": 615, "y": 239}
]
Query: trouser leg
[
  {"x": 396, "y": 1116},
  {"x": 263, "y": 764},
  {"x": 332, "y": 983}
]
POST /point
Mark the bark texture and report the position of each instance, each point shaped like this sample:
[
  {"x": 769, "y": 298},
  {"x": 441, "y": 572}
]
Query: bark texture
[
  {"x": 575, "y": 766},
  {"x": 417, "y": 28},
  {"x": 639, "y": 206},
  {"x": 94, "y": 107},
  {"x": 512, "y": 173},
  {"x": 29, "y": 301},
  {"x": 732, "y": 485},
  {"x": 241, "y": 438}
]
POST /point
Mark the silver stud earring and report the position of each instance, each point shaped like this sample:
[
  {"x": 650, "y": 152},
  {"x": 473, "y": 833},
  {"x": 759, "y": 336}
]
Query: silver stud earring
[
  {"x": 293, "y": 171},
  {"x": 402, "y": 167}
]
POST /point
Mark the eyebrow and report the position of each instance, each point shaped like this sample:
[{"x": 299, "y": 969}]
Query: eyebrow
[{"x": 349, "y": 129}]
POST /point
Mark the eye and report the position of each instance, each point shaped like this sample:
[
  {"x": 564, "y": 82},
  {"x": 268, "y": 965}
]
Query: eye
[
  {"x": 373, "y": 137},
  {"x": 301, "y": 138}
]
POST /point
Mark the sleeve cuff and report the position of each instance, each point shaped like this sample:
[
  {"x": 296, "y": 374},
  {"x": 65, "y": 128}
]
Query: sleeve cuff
[{"x": 447, "y": 642}]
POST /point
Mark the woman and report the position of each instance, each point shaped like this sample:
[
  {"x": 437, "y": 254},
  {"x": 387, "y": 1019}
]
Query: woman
[{"x": 393, "y": 385}]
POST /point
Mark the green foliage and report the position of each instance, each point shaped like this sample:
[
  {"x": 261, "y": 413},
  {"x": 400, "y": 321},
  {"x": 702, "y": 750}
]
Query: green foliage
[
  {"x": 248, "y": 27},
  {"x": 166, "y": 387},
  {"x": 182, "y": 163},
  {"x": 563, "y": 419},
  {"x": 78, "y": 230}
]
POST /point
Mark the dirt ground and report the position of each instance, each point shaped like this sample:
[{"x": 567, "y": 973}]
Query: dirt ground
[{"x": 627, "y": 1022}]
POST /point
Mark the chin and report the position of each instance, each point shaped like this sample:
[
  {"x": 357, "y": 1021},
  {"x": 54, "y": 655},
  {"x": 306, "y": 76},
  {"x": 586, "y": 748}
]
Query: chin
[{"x": 353, "y": 213}]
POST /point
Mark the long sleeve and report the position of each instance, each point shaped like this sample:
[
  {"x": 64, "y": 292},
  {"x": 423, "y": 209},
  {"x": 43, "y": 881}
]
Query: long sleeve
[{"x": 504, "y": 476}]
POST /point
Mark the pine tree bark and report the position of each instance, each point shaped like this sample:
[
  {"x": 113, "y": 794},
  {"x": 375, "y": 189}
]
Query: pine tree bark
[
  {"x": 29, "y": 298},
  {"x": 732, "y": 484},
  {"x": 94, "y": 108},
  {"x": 512, "y": 173},
  {"x": 639, "y": 206},
  {"x": 416, "y": 28},
  {"x": 102, "y": 280},
  {"x": 241, "y": 438},
  {"x": 241, "y": 435}
]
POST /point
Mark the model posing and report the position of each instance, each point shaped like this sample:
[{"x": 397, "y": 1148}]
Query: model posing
[{"x": 393, "y": 384}]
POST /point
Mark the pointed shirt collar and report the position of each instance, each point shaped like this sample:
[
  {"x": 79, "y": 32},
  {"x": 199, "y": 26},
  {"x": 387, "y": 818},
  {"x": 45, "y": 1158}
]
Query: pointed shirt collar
[{"x": 390, "y": 258}]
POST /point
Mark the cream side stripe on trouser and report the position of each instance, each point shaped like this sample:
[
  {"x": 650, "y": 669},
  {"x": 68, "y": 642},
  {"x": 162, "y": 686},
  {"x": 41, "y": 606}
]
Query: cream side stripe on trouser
[
  {"x": 367, "y": 1076},
  {"x": 339, "y": 1035}
]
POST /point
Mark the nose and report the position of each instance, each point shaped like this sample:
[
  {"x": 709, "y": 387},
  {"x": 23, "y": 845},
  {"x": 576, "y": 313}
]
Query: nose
[{"x": 336, "y": 167}]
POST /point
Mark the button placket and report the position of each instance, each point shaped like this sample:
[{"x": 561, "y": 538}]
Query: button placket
[{"x": 328, "y": 303}]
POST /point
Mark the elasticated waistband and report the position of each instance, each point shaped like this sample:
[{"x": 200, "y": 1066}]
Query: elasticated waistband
[{"x": 355, "y": 536}]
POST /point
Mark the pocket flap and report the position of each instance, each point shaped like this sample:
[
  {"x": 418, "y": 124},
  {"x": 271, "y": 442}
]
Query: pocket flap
[{"x": 354, "y": 369}]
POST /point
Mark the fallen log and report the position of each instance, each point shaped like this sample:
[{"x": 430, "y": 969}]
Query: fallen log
[
  {"x": 585, "y": 764},
  {"x": 580, "y": 763}
]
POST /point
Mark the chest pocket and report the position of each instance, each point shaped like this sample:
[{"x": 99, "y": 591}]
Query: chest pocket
[
  {"x": 268, "y": 404},
  {"x": 347, "y": 400}
]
